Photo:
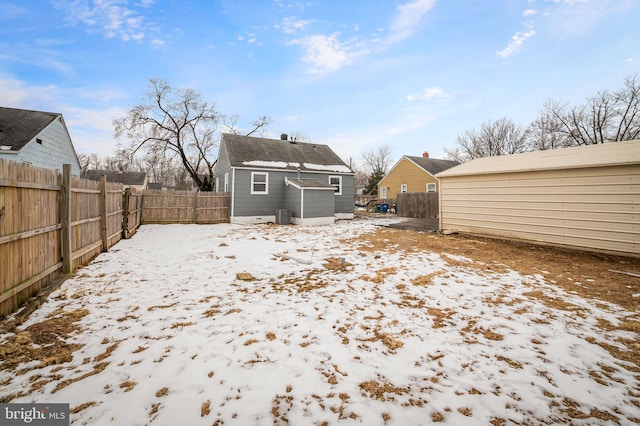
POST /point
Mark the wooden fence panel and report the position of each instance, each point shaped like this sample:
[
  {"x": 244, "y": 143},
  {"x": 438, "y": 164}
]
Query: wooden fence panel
[
  {"x": 30, "y": 248},
  {"x": 114, "y": 213},
  {"x": 86, "y": 216},
  {"x": 185, "y": 207},
  {"x": 419, "y": 205},
  {"x": 212, "y": 207}
]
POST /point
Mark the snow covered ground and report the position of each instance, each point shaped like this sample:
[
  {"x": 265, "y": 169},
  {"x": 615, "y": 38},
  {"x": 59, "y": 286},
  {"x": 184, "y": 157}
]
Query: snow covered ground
[{"x": 231, "y": 324}]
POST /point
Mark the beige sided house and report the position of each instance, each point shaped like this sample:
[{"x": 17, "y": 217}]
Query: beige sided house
[
  {"x": 585, "y": 197},
  {"x": 412, "y": 174}
]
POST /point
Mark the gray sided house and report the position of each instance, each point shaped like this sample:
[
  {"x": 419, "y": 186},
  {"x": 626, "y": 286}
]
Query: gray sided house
[
  {"x": 265, "y": 177},
  {"x": 37, "y": 138}
]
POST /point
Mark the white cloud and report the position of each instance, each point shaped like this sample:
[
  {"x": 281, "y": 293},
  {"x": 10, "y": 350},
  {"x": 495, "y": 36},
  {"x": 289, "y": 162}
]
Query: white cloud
[
  {"x": 292, "y": 25},
  {"x": 324, "y": 53},
  {"x": 407, "y": 18},
  {"x": 571, "y": 18},
  {"x": 10, "y": 11},
  {"x": 15, "y": 93},
  {"x": 529, "y": 12},
  {"x": 429, "y": 93},
  {"x": 113, "y": 18},
  {"x": 516, "y": 42}
]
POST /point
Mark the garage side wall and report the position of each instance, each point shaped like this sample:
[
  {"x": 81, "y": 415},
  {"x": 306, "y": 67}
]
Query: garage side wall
[{"x": 596, "y": 209}]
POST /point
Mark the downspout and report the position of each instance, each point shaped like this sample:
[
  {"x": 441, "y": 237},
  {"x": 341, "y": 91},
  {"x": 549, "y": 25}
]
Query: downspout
[
  {"x": 301, "y": 204},
  {"x": 439, "y": 188},
  {"x": 233, "y": 191}
]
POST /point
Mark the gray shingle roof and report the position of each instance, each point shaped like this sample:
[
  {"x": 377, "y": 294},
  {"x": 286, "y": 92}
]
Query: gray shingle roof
[
  {"x": 126, "y": 178},
  {"x": 19, "y": 126},
  {"x": 433, "y": 165},
  {"x": 246, "y": 151}
]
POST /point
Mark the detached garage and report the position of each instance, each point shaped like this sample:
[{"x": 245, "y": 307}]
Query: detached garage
[{"x": 586, "y": 197}]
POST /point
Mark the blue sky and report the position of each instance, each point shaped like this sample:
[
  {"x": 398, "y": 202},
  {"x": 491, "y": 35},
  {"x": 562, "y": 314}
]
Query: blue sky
[{"x": 411, "y": 74}]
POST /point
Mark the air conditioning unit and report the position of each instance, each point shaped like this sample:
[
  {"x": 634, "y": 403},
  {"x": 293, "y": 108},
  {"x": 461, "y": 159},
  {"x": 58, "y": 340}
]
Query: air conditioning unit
[{"x": 283, "y": 216}]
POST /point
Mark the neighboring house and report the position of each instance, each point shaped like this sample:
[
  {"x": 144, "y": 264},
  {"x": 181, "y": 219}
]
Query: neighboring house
[
  {"x": 37, "y": 138},
  {"x": 133, "y": 180},
  {"x": 413, "y": 174},
  {"x": 584, "y": 197},
  {"x": 264, "y": 176}
]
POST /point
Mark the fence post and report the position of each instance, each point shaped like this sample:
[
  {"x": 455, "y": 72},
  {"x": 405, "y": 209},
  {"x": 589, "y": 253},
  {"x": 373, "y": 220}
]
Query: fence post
[
  {"x": 195, "y": 206},
  {"x": 65, "y": 219},
  {"x": 125, "y": 212},
  {"x": 104, "y": 235}
]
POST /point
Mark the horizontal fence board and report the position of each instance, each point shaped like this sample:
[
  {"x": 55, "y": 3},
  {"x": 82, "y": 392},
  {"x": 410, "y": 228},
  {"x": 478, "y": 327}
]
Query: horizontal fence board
[
  {"x": 28, "y": 234},
  {"x": 14, "y": 184}
]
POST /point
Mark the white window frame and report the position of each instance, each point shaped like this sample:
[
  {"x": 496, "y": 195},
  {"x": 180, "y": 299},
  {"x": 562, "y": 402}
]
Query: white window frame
[
  {"x": 339, "y": 184},
  {"x": 226, "y": 182},
  {"x": 383, "y": 192},
  {"x": 265, "y": 183},
  {"x": 432, "y": 185},
  {"x": 404, "y": 188}
]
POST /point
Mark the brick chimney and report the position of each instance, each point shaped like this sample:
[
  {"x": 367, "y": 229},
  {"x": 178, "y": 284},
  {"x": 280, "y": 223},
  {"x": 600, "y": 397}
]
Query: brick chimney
[{"x": 425, "y": 154}]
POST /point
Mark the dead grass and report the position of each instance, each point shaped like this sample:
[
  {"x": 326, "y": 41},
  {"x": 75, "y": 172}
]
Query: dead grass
[
  {"x": 585, "y": 274},
  {"x": 382, "y": 391},
  {"x": 82, "y": 406},
  {"x": 128, "y": 385},
  {"x": 43, "y": 341}
]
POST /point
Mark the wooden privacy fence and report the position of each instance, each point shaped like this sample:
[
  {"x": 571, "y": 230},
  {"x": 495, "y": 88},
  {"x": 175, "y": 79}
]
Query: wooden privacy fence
[
  {"x": 419, "y": 205},
  {"x": 53, "y": 223},
  {"x": 185, "y": 207}
]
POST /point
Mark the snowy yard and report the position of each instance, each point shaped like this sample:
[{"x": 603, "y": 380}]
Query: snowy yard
[{"x": 192, "y": 324}]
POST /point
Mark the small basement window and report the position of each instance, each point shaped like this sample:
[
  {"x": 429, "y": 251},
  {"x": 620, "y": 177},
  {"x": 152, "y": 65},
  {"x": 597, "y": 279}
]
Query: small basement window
[
  {"x": 337, "y": 182},
  {"x": 39, "y": 141},
  {"x": 259, "y": 183},
  {"x": 431, "y": 187}
]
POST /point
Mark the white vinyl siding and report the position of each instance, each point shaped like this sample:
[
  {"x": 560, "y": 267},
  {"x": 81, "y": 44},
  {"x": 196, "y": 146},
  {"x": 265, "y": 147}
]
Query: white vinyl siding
[
  {"x": 50, "y": 149},
  {"x": 259, "y": 183}
]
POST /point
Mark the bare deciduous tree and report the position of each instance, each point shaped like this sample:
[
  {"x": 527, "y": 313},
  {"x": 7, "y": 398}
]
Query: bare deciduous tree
[
  {"x": 178, "y": 124},
  {"x": 605, "y": 117},
  {"x": 497, "y": 137},
  {"x": 376, "y": 162}
]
